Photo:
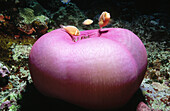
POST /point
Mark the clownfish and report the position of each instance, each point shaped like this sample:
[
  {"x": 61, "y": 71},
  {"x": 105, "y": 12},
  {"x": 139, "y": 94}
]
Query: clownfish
[
  {"x": 72, "y": 30},
  {"x": 104, "y": 19},
  {"x": 87, "y": 22}
]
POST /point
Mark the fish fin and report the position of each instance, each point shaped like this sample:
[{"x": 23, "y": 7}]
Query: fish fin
[
  {"x": 100, "y": 22},
  {"x": 103, "y": 17},
  {"x": 62, "y": 26},
  {"x": 76, "y": 32}
]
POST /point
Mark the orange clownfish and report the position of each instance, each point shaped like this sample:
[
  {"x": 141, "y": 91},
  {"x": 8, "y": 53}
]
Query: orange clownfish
[
  {"x": 104, "y": 19},
  {"x": 72, "y": 30}
]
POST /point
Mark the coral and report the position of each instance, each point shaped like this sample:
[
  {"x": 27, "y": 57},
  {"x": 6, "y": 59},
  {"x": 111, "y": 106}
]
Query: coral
[
  {"x": 3, "y": 70},
  {"x": 20, "y": 52},
  {"x": 3, "y": 75},
  {"x": 4, "y": 18},
  {"x": 4, "y": 104},
  {"x": 11, "y": 93},
  {"x": 7, "y": 41},
  {"x": 23, "y": 23},
  {"x": 27, "y": 29},
  {"x": 31, "y": 23},
  {"x": 156, "y": 95},
  {"x": 158, "y": 61},
  {"x": 6, "y": 26},
  {"x": 69, "y": 15},
  {"x": 39, "y": 27},
  {"x": 28, "y": 16}
]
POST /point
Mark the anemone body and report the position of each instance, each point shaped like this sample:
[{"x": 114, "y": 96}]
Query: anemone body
[{"x": 100, "y": 72}]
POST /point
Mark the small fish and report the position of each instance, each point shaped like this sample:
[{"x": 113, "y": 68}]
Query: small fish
[
  {"x": 65, "y": 1},
  {"x": 87, "y": 22},
  {"x": 72, "y": 30},
  {"x": 104, "y": 19}
]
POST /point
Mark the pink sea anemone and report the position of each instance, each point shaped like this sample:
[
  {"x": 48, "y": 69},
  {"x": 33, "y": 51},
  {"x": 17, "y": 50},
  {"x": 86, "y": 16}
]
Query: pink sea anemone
[{"x": 100, "y": 72}]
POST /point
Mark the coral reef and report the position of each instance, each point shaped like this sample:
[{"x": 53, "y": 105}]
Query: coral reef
[
  {"x": 28, "y": 16},
  {"x": 158, "y": 58},
  {"x": 7, "y": 43},
  {"x": 31, "y": 23},
  {"x": 65, "y": 14},
  {"x": 69, "y": 15},
  {"x": 19, "y": 77},
  {"x": 20, "y": 52},
  {"x": 3, "y": 75},
  {"x": 157, "y": 95}
]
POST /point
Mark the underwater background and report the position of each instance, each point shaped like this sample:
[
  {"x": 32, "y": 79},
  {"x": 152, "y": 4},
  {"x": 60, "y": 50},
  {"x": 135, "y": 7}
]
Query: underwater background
[{"x": 22, "y": 22}]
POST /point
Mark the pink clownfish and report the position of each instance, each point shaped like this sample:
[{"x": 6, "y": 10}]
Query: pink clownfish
[
  {"x": 72, "y": 30},
  {"x": 87, "y": 22},
  {"x": 104, "y": 19}
]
